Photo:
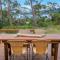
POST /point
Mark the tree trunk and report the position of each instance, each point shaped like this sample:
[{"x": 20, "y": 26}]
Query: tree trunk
[
  {"x": 8, "y": 12},
  {"x": 33, "y": 19},
  {"x": 8, "y": 8}
]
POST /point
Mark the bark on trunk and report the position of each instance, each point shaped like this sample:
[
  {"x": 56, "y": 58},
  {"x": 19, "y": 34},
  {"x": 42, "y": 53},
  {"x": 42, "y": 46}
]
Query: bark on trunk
[
  {"x": 33, "y": 18},
  {"x": 8, "y": 12}
]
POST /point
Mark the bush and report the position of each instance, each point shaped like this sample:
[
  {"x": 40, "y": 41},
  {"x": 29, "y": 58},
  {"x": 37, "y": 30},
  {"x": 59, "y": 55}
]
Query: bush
[{"x": 1, "y": 24}]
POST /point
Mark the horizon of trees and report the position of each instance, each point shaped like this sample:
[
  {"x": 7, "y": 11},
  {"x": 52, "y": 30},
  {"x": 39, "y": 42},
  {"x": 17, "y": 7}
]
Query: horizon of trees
[{"x": 13, "y": 14}]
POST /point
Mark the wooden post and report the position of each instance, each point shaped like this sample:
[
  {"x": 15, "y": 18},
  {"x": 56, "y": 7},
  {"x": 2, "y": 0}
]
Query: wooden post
[
  {"x": 2, "y": 55},
  {"x": 6, "y": 50},
  {"x": 55, "y": 47},
  {"x": 58, "y": 57},
  {"x": 56, "y": 51},
  {"x": 49, "y": 51}
]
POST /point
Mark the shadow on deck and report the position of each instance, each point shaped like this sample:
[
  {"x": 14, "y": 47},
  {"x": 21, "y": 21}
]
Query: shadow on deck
[{"x": 24, "y": 57}]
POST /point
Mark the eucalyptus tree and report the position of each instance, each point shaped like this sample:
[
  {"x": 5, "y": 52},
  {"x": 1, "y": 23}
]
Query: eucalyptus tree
[
  {"x": 15, "y": 9},
  {"x": 15, "y": 12},
  {"x": 10, "y": 11},
  {"x": 1, "y": 14},
  {"x": 35, "y": 6},
  {"x": 6, "y": 11}
]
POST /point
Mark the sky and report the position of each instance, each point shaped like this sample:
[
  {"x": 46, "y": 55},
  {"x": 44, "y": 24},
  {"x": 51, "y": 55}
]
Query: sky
[
  {"x": 43, "y": 1},
  {"x": 55, "y": 1}
]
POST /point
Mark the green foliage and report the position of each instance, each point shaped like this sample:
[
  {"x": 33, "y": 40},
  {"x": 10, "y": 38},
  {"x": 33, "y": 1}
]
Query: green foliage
[
  {"x": 16, "y": 10},
  {"x": 37, "y": 8},
  {"x": 1, "y": 25},
  {"x": 56, "y": 18},
  {"x": 44, "y": 22},
  {"x": 18, "y": 27}
]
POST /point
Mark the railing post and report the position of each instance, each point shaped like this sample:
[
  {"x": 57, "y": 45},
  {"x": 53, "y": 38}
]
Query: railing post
[
  {"x": 54, "y": 50},
  {"x": 49, "y": 51},
  {"x": 6, "y": 50}
]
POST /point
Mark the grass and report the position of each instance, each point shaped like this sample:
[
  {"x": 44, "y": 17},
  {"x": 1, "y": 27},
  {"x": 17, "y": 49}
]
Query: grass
[
  {"x": 54, "y": 29},
  {"x": 18, "y": 27}
]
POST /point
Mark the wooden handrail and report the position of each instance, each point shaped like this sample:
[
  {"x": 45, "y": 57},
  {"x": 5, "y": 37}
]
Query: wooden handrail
[
  {"x": 14, "y": 30},
  {"x": 9, "y": 30}
]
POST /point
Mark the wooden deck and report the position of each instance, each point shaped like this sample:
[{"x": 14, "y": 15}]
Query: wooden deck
[
  {"x": 42, "y": 37},
  {"x": 36, "y": 39}
]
